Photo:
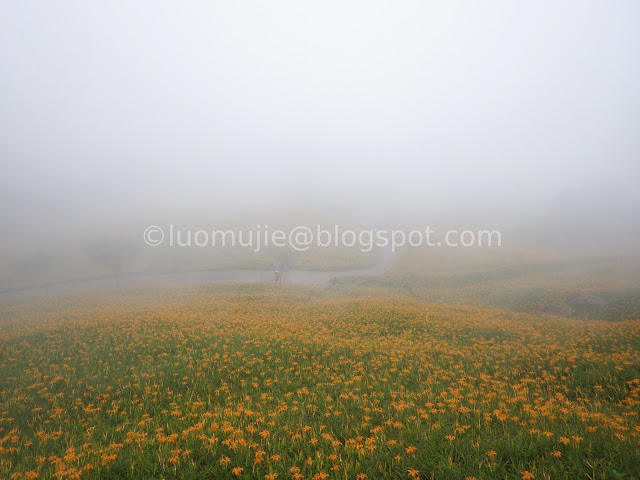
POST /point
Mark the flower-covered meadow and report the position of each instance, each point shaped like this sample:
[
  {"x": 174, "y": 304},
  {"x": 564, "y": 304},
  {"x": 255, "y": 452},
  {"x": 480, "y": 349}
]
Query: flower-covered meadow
[{"x": 302, "y": 383}]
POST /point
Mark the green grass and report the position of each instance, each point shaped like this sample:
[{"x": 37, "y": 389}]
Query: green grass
[
  {"x": 596, "y": 287},
  {"x": 194, "y": 382}
]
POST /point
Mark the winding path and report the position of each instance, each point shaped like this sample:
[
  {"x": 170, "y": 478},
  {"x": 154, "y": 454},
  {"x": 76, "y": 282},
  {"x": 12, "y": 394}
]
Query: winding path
[{"x": 303, "y": 277}]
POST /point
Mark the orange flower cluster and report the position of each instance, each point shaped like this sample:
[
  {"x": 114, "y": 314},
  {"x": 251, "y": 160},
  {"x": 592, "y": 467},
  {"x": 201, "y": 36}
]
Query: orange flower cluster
[{"x": 300, "y": 383}]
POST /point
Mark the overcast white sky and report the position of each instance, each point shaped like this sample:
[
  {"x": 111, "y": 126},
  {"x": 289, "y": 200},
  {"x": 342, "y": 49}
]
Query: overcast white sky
[{"x": 121, "y": 108}]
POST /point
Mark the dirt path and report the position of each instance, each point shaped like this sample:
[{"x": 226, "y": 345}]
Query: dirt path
[{"x": 303, "y": 277}]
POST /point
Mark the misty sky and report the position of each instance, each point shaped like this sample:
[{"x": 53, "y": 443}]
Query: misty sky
[{"x": 123, "y": 108}]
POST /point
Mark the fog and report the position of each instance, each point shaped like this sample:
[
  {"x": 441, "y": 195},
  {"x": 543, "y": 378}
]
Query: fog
[{"x": 521, "y": 116}]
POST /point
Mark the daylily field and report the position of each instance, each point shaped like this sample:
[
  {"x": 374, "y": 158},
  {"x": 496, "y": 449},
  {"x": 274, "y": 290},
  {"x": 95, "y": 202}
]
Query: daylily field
[{"x": 267, "y": 382}]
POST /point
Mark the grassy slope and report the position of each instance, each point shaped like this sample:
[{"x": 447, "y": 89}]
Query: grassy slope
[
  {"x": 590, "y": 286},
  {"x": 296, "y": 381}
]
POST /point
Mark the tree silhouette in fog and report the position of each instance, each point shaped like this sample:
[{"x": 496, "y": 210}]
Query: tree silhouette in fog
[{"x": 115, "y": 253}]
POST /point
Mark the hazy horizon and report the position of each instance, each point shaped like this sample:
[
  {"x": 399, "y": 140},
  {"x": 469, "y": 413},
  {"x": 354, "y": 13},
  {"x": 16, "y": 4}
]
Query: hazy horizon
[{"x": 514, "y": 116}]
